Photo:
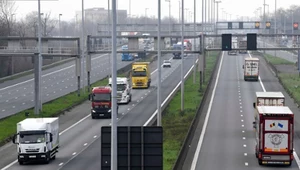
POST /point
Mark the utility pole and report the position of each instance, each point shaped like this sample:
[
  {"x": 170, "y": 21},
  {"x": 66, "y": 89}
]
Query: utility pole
[
  {"x": 114, "y": 146},
  {"x": 182, "y": 54},
  {"x": 275, "y": 29},
  {"x": 159, "y": 66},
  {"x": 264, "y": 23}
]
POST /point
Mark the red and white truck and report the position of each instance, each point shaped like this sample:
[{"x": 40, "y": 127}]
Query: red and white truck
[
  {"x": 274, "y": 135},
  {"x": 101, "y": 102},
  {"x": 269, "y": 99}
]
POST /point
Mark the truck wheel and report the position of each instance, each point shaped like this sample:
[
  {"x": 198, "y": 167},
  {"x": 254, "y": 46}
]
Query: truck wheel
[
  {"x": 20, "y": 162},
  {"x": 259, "y": 161},
  {"x": 129, "y": 98},
  {"x": 47, "y": 159},
  {"x": 93, "y": 117}
]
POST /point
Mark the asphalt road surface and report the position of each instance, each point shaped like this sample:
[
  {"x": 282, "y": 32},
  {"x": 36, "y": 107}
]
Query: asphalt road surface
[
  {"x": 279, "y": 53},
  {"x": 18, "y": 95},
  {"x": 228, "y": 142},
  {"x": 80, "y": 144}
]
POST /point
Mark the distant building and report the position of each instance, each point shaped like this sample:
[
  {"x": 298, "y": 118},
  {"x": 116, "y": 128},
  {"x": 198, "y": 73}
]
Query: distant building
[{"x": 99, "y": 15}]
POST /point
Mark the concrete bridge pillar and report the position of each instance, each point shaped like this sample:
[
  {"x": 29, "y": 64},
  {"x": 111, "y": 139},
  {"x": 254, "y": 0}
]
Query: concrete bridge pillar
[
  {"x": 133, "y": 43},
  {"x": 162, "y": 43}
]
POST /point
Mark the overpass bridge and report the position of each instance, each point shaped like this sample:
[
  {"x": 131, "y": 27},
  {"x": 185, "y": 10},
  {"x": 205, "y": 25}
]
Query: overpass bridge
[{"x": 172, "y": 29}]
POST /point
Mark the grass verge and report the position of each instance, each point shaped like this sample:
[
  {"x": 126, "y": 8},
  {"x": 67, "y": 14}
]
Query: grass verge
[
  {"x": 276, "y": 60},
  {"x": 176, "y": 123},
  {"x": 290, "y": 81},
  {"x": 52, "y": 108}
]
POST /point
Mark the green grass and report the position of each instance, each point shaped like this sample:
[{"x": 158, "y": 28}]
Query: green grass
[
  {"x": 290, "y": 81},
  {"x": 175, "y": 123},
  {"x": 52, "y": 108},
  {"x": 276, "y": 60}
]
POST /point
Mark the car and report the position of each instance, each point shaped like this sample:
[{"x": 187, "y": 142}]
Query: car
[{"x": 167, "y": 63}]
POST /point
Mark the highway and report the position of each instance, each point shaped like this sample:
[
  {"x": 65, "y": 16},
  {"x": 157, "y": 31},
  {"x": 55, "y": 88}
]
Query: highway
[
  {"x": 80, "y": 143},
  {"x": 224, "y": 138},
  {"x": 18, "y": 95},
  {"x": 280, "y": 53}
]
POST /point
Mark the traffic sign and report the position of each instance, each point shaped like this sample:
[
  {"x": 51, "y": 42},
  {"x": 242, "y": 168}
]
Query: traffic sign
[
  {"x": 257, "y": 25},
  {"x": 268, "y": 25},
  {"x": 295, "y": 25}
]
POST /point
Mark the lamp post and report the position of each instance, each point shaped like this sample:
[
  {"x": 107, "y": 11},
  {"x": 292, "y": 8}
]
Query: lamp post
[
  {"x": 108, "y": 32},
  {"x": 195, "y": 57},
  {"x": 159, "y": 66},
  {"x": 182, "y": 54}
]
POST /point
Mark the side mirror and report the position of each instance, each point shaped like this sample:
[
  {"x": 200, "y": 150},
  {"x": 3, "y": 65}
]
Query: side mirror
[
  {"x": 254, "y": 125},
  {"x": 254, "y": 105},
  {"x": 14, "y": 139},
  {"x": 51, "y": 137},
  {"x": 243, "y": 66}
]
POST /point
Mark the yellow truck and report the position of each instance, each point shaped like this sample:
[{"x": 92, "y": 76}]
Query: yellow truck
[{"x": 140, "y": 75}]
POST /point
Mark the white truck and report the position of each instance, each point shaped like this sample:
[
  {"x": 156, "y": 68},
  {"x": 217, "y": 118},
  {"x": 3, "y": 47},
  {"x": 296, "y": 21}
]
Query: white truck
[
  {"x": 37, "y": 139},
  {"x": 269, "y": 99},
  {"x": 274, "y": 135},
  {"x": 251, "y": 69},
  {"x": 123, "y": 89}
]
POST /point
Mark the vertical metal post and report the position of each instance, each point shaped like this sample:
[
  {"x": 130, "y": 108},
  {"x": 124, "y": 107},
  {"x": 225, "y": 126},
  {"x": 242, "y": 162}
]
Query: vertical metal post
[
  {"x": 59, "y": 33},
  {"x": 202, "y": 45},
  {"x": 179, "y": 12},
  {"x": 208, "y": 11},
  {"x": 109, "y": 33},
  {"x": 38, "y": 63},
  {"x": 264, "y": 39},
  {"x": 275, "y": 29},
  {"x": 205, "y": 16},
  {"x": 88, "y": 63},
  {"x": 114, "y": 156},
  {"x": 195, "y": 57},
  {"x": 82, "y": 41},
  {"x": 159, "y": 66},
  {"x": 182, "y": 55}
]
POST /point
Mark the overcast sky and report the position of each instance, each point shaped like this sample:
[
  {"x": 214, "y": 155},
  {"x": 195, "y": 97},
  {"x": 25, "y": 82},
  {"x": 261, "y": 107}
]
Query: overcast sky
[{"x": 68, "y": 7}]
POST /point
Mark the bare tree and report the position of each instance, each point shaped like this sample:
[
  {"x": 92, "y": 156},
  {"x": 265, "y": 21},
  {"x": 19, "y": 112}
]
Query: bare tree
[
  {"x": 8, "y": 10},
  {"x": 48, "y": 24}
]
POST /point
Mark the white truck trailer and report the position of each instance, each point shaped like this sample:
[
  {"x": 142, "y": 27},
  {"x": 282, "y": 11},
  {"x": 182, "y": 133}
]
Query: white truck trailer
[
  {"x": 251, "y": 69},
  {"x": 269, "y": 99},
  {"x": 123, "y": 89},
  {"x": 274, "y": 135},
  {"x": 37, "y": 139}
]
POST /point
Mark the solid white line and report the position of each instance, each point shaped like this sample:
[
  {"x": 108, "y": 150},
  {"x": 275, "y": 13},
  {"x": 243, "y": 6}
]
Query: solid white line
[
  {"x": 194, "y": 163},
  {"x": 169, "y": 96},
  {"x": 64, "y": 131},
  {"x": 48, "y": 74},
  {"x": 294, "y": 153}
]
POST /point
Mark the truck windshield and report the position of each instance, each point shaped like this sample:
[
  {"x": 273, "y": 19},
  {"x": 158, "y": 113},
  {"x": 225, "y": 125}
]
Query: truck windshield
[
  {"x": 32, "y": 138},
  {"x": 103, "y": 97},
  {"x": 121, "y": 87},
  {"x": 139, "y": 74}
]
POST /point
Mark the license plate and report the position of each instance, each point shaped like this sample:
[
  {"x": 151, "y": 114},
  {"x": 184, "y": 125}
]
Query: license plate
[
  {"x": 32, "y": 156},
  {"x": 101, "y": 114}
]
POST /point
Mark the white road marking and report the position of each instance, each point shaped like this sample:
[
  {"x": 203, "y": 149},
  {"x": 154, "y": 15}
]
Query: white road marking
[
  {"x": 85, "y": 144},
  {"x": 246, "y": 163},
  {"x": 244, "y": 138},
  {"x": 60, "y": 164},
  {"x": 243, "y": 125},
  {"x": 195, "y": 159},
  {"x": 245, "y": 154},
  {"x": 243, "y": 131},
  {"x": 74, "y": 153},
  {"x": 95, "y": 136},
  {"x": 244, "y": 146}
]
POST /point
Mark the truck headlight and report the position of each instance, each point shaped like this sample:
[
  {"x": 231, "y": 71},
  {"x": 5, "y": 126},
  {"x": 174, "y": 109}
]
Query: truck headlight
[
  {"x": 109, "y": 110},
  {"x": 93, "y": 111}
]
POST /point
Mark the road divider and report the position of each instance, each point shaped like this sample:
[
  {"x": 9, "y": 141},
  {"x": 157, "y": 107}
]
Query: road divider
[
  {"x": 55, "y": 107},
  {"x": 176, "y": 124}
]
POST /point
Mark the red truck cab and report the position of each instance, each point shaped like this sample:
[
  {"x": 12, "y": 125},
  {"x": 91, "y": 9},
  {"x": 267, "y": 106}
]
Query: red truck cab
[{"x": 101, "y": 102}]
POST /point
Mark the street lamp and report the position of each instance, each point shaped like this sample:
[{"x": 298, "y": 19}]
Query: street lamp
[
  {"x": 182, "y": 54},
  {"x": 159, "y": 65}
]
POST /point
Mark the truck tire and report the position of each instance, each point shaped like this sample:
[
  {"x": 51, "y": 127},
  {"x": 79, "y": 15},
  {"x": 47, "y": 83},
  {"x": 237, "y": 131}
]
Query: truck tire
[
  {"x": 21, "y": 162},
  {"x": 259, "y": 161},
  {"x": 93, "y": 117},
  {"x": 130, "y": 98}
]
